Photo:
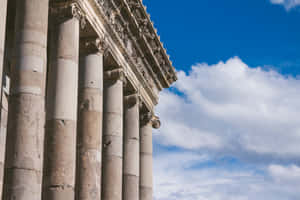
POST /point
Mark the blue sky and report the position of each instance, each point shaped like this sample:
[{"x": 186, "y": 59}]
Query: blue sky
[
  {"x": 259, "y": 32},
  {"x": 230, "y": 124}
]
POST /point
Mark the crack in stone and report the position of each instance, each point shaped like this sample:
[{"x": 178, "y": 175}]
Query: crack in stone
[
  {"x": 135, "y": 138},
  {"x": 62, "y": 122},
  {"x": 24, "y": 168},
  {"x": 61, "y": 187},
  {"x": 107, "y": 144}
]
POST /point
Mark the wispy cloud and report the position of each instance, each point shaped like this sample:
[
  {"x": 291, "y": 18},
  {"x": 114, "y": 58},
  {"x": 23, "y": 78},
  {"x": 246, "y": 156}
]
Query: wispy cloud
[
  {"x": 288, "y": 4},
  {"x": 229, "y": 109},
  {"x": 174, "y": 180}
]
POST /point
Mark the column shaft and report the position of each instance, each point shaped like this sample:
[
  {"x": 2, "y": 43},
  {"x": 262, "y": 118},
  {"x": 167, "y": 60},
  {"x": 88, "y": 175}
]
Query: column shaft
[
  {"x": 62, "y": 90},
  {"x": 131, "y": 148},
  {"x": 8, "y": 47},
  {"x": 3, "y": 129},
  {"x": 26, "y": 120},
  {"x": 146, "y": 182},
  {"x": 3, "y": 13},
  {"x": 3, "y": 121},
  {"x": 89, "y": 139},
  {"x": 112, "y": 137}
]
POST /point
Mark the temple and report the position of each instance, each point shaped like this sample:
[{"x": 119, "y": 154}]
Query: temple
[{"x": 80, "y": 81}]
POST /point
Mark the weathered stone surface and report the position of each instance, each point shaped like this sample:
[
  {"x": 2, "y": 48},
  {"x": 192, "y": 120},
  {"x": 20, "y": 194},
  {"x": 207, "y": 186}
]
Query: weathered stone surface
[
  {"x": 146, "y": 180},
  {"x": 112, "y": 178},
  {"x": 1, "y": 177},
  {"x": 23, "y": 184},
  {"x": 60, "y": 145},
  {"x": 146, "y": 170},
  {"x": 131, "y": 160},
  {"x": 26, "y": 120},
  {"x": 112, "y": 140},
  {"x": 90, "y": 127},
  {"x": 3, "y": 11},
  {"x": 89, "y": 175},
  {"x": 60, "y": 193},
  {"x": 91, "y": 71},
  {"x": 146, "y": 193},
  {"x": 3, "y": 128},
  {"x": 131, "y": 157},
  {"x": 26, "y": 132},
  {"x": 131, "y": 183}
]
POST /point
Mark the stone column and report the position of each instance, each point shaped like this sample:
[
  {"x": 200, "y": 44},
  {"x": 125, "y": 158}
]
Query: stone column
[
  {"x": 26, "y": 120},
  {"x": 3, "y": 121},
  {"x": 9, "y": 43},
  {"x": 3, "y": 12},
  {"x": 112, "y": 135},
  {"x": 131, "y": 140},
  {"x": 146, "y": 180},
  {"x": 3, "y": 129},
  {"x": 62, "y": 90},
  {"x": 89, "y": 141}
]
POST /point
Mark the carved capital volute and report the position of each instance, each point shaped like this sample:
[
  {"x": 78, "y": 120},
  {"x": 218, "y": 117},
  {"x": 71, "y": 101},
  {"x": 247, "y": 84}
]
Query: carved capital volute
[
  {"x": 93, "y": 45},
  {"x": 149, "y": 117},
  {"x": 114, "y": 75},
  {"x": 67, "y": 10},
  {"x": 131, "y": 100},
  {"x": 156, "y": 122}
]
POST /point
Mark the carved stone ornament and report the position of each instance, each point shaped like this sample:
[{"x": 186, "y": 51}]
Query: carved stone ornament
[
  {"x": 115, "y": 74},
  {"x": 93, "y": 45},
  {"x": 148, "y": 34},
  {"x": 133, "y": 4},
  {"x": 65, "y": 11},
  {"x": 149, "y": 117},
  {"x": 101, "y": 2},
  {"x": 130, "y": 40},
  {"x": 156, "y": 122},
  {"x": 131, "y": 100}
]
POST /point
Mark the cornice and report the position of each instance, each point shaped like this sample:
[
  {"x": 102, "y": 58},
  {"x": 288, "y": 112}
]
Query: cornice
[
  {"x": 131, "y": 22},
  {"x": 126, "y": 39},
  {"x": 165, "y": 63}
]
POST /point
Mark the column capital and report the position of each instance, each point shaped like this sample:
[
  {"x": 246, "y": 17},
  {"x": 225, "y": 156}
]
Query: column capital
[
  {"x": 149, "y": 117},
  {"x": 67, "y": 10},
  {"x": 115, "y": 74},
  {"x": 93, "y": 45},
  {"x": 132, "y": 99}
]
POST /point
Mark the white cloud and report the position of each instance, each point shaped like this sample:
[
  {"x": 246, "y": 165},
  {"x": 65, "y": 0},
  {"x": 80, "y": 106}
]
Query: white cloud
[
  {"x": 176, "y": 181},
  {"x": 230, "y": 107},
  {"x": 288, "y": 4},
  {"x": 286, "y": 175}
]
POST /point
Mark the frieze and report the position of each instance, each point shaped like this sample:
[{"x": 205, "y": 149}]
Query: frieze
[
  {"x": 124, "y": 33},
  {"x": 113, "y": 9}
]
